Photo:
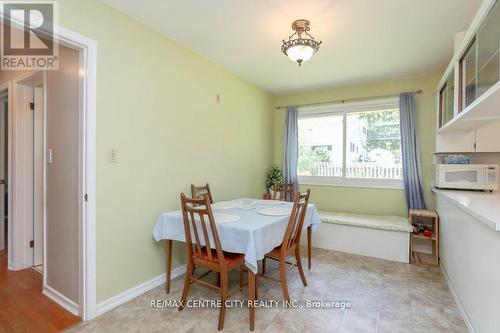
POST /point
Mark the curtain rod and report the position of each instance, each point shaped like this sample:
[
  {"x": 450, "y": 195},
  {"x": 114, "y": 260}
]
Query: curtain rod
[{"x": 341, "y": 101}]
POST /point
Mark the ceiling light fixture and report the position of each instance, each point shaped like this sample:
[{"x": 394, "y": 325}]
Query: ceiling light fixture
[{"x": 300, "y": 46}]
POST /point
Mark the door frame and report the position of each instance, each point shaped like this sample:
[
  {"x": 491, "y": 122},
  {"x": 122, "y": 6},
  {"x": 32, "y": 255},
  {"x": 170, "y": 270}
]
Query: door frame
[
  {"x": 87, "y": 162},
  {"x": 8, "y": 86},
  {"x": 20, "y": 255}
]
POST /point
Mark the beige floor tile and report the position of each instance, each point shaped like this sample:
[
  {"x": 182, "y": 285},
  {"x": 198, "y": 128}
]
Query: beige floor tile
[
  {"x": 384, "y": 296},
  {"x": 394, "y": 326},
  {"x": 359, "y": 320},
  {"x": 87, "y": 327},
  {"x": 306, "y": 320}
]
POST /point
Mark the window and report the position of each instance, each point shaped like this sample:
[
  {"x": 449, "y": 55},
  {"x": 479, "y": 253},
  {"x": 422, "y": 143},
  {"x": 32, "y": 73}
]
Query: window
[{"x": 351, "y": 144}]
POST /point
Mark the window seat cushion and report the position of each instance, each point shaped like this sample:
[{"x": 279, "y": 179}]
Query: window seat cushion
[{"x": 382, "y": 222}]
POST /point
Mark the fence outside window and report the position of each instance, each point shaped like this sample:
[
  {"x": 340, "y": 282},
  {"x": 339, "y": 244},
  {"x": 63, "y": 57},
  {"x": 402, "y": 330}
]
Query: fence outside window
[{"x": 355, "y": 170}]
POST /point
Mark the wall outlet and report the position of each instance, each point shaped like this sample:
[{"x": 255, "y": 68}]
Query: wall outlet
[{"x": 113, "y": 155}]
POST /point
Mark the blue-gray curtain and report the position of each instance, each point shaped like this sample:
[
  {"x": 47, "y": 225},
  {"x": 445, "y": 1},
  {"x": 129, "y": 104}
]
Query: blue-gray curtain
[
  {"x": 412, "y": 173},
  {"x": 291, "y": 141}
]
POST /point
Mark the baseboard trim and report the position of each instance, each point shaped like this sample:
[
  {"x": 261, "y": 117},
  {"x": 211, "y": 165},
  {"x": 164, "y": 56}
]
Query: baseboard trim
[
  {"x": 128, "y": 295},
  {"x": 61, "y": 300},
  {"x": 461, "y": 308}
]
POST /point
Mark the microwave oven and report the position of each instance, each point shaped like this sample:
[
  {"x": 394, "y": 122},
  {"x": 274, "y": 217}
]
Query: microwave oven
[{"x": 467, "y": 176}]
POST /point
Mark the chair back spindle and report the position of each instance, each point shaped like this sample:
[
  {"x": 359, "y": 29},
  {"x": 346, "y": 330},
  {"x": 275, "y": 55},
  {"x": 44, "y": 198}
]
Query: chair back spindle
[
  {"x": 284, "y": 192},
  {"x": 296, "y": 221},
  {"x": 197, "y": 213},
  {"x": 198, "y": 192}
]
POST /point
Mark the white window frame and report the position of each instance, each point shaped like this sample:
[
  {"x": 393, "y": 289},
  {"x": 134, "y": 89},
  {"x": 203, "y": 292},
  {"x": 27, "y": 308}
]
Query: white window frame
[{"x": 344, "y": 109}]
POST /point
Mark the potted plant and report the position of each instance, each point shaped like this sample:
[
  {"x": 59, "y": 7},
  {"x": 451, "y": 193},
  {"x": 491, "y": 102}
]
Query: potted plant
[{"x": 273, "y": 176}]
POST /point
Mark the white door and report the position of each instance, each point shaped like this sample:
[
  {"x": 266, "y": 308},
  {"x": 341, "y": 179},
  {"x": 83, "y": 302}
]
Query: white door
[
  {"x": 456, "y": 142},
  {"x": 3, "y": 139},
  {"x": 488, "y": 138},
  {"x": 63, "y": 198}
]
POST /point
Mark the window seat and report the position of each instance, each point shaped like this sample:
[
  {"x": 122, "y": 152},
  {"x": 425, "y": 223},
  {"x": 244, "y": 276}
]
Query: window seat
[
  {"x": 384, "y": 237},
  {"x": 383, "y": 222}
]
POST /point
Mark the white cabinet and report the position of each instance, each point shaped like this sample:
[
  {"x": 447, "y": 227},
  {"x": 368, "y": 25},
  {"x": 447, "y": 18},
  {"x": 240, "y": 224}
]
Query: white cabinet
[
  {"x": 456, "y": 142},
  {"x": 469, "y": 256},
  {"x": 488, "y": 138},
  {"x": 485, "y": 139}
]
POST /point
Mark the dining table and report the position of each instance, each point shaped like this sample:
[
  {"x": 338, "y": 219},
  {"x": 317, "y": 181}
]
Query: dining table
[{"x": 245, "y": 225}]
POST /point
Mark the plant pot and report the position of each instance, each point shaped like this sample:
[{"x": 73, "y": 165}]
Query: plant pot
[{"x": 266, "y": 196}]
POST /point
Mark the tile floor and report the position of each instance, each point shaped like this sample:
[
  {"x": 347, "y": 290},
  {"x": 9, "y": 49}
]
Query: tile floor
[{"x": 385, "y": 297}]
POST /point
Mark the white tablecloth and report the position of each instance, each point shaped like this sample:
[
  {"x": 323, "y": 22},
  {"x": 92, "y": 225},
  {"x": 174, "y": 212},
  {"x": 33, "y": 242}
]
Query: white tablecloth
[{"x": 253, "y": 234}]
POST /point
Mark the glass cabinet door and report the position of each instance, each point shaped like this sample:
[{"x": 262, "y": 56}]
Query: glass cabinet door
[
  {"x": 446, "y": 100},
  {"x": 468, "y": 77},
  {"x": 480, "y": 64},
  {"x": 488, "y": 46},
  {"x": 478, "y": 68}
]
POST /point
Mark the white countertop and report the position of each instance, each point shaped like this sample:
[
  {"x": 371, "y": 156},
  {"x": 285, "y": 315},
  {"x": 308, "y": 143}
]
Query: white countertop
[{"x": 484, "y": 206}]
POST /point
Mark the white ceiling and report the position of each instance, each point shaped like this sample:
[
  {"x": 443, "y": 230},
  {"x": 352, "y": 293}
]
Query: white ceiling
[{"x": 363, "y": 40}]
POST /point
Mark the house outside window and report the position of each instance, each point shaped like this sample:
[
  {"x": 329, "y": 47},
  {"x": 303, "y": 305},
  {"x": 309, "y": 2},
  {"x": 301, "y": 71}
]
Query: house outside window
[{"x": 351, "y": 144}]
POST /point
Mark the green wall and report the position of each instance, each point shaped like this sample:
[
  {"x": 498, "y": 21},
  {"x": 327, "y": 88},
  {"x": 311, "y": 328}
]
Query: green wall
[
  {"x": 369, "y": 200},
  {"x": 156, "y": 103}
]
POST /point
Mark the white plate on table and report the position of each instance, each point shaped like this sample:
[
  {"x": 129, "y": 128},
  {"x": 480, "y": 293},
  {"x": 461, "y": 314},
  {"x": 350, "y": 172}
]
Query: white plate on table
[
  {"x": 225, "y": 218},
  {"x": 224, "y": 205},
  {"x": 268, "y": 202},
  {"x": 276, "y": 211}
]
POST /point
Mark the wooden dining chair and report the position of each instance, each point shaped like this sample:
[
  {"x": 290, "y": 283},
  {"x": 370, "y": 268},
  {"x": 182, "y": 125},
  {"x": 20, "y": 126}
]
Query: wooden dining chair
[
  {"x": 198, "y": 192},
  {"x": 290, "y": 245},
  {"x": 206, "y": 251},
  {"x": 283, "y": 192}
]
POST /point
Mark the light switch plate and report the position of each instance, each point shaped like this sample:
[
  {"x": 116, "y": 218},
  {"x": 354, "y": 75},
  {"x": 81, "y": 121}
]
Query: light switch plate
[{"x": 113, "y": 155}]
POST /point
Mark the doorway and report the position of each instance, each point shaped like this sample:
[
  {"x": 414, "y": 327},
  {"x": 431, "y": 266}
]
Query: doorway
[
  {"x": 79, "y": 295},
  {"x": 24, "y": 307},
  {"x": 46, "y": 182},
  {"x": 27, "y": 184},
  {"x": 43, "y": 231}
]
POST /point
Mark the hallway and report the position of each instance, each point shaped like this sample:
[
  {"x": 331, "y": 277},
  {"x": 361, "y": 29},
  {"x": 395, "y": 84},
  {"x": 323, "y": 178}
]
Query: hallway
[{"x": 23, "y": 307}]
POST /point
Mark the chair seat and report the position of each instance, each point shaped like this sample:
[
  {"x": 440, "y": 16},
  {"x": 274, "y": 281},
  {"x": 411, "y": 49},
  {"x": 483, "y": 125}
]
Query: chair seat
[
  {"x": 275, "y": 253},
  {"x": 230, "y": 258}
]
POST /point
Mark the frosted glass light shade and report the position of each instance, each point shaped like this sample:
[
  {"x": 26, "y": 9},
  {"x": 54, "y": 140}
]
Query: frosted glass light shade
[{"x": 300, "y": 53}]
